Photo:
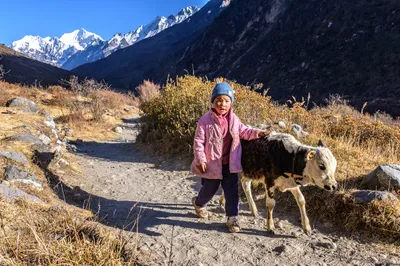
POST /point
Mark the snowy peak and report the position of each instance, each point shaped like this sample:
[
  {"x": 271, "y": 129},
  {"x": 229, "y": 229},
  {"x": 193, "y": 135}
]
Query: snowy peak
[
  {"x": 188, "y": 11},
  {"x": 80, "y": 39},
  {"x": 56, "y": 51},
  {"x": 81, "y": 46},
  {"x": 119, "y": 41},
  {"x": 159, "y": 24}
]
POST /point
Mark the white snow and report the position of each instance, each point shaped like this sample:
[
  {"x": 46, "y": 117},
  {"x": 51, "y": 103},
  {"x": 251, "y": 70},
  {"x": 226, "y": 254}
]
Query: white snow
[{"x": 57, "y": 51}]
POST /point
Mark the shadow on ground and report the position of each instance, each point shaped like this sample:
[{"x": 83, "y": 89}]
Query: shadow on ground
[
  {"x": 129, "y": 152},
  {"x": 144, "y": 217}
]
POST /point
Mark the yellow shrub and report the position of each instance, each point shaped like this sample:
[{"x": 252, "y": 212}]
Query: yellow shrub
[{"x": 170, "y": 119}]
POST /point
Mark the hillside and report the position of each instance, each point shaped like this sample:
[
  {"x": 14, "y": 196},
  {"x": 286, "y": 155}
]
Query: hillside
[
  {"x": 24, "y": 70},
  {"x": 296, "y": 47},
  {"x": 151, "y": 58},
  {"x": 293, "y": 47}
]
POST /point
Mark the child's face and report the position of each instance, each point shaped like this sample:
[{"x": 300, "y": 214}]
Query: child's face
[{"x": 222, "y": 104}]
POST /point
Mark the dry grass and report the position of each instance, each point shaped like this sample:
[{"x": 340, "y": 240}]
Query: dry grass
[
  {"x": 100, "y": 110},
  {"x": 40, "y": 233},
  {"x": 360, "y": 142},
  {"x": 147, "y": 91}
]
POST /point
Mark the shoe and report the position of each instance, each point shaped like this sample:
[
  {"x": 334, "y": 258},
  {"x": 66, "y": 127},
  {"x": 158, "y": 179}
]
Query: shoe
[
  {"x": 233, "y": 224},
  {"x": 200, "y": 211}
]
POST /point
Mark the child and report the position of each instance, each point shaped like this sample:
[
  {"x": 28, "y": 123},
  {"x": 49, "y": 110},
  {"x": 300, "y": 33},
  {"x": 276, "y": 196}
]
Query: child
[{"x": 217, "y": 154}]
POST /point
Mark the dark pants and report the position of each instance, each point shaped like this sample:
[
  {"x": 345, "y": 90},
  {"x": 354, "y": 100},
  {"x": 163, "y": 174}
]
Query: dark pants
[{"x": 229, "y": 182}]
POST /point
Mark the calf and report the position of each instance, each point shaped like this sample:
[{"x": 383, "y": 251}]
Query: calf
[{"x": 280, "y": 161}]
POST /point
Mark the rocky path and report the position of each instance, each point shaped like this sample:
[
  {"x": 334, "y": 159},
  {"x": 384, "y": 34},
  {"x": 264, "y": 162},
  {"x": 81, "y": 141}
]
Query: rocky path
[{"x": 126, "y": 184}]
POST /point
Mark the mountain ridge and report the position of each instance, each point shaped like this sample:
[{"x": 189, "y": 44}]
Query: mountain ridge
[
  {"x": 21, "y": 69},
  {"x": 80, "y": 46},
  {"x": 54, "y": 50},
  {"x": 148, "y": 56}
]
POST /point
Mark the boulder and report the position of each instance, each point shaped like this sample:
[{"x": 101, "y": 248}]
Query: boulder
[
  {"x": 118, "y": 129},
  {"x": 24, "y": 138},
  {"x": 11, "y": 194},
  {"x": 28, "y": 106},
  {"x": 45, "y": 139},
  {"x": 386, "y": 177},
  {"x": 282, "y": 124},
  {"x": 366, "y": 196},
  {"x": 14, "y": 156},
  {"x": 12, "y": 172}
]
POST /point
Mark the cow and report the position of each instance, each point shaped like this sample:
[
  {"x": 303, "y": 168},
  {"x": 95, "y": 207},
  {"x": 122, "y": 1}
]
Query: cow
[{"x": 280, "y": 161}]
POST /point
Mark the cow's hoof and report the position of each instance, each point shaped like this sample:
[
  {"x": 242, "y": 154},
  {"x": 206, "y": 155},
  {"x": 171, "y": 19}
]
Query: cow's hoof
[
  {"x": 271, "y": 232},
  {"x": 255, "y": 214},
  {"x": 307, "y": 231}
]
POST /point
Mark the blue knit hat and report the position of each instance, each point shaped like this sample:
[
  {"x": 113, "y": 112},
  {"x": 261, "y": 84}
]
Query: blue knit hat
[{"x": 223, "y": 88}]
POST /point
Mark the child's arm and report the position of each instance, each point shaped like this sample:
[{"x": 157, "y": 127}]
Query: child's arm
[
  {"x": 198, "y": 146},
  {"x": 252, "y": 133},
  {"x": 248, "y": 133}
]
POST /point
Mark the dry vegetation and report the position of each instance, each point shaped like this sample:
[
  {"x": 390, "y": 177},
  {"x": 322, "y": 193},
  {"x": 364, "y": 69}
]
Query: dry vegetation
[
  {"x": 53, "y": 232},
  {"x": 360, "y": 142},
  {"x": 93, "y": 107}
]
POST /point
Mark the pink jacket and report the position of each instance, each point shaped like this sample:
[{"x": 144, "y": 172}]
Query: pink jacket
[{"x": 208, "y": 144}]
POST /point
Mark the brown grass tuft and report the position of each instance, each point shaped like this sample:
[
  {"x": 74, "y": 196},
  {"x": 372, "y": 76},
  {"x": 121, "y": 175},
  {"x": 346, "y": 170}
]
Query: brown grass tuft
[
  {"x": 40, "y": 234},
  {"x": 147, "y": 91}
]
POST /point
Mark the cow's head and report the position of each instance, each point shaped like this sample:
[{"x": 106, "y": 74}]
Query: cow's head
[{"x": 320, "y": 168}]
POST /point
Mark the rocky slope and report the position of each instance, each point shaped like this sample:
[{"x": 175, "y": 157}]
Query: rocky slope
[
  {"x": 296, "y": 47},
  {"x": 22, "y": 69},
  {"x": 293, "y": 47}
]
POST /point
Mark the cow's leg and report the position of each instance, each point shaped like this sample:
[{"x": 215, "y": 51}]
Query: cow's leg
[
  {"x": 222, "y": 200},
  {"x": 270, "y": 202},
  {"x": 301, "y": 202},
  {"x": 246, "y": 184}
]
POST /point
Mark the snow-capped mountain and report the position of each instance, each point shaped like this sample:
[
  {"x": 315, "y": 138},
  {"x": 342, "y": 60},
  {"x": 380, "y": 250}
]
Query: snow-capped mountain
[
  {"x": 119, "y": 41},
  {"x": 56, "y": 51}
]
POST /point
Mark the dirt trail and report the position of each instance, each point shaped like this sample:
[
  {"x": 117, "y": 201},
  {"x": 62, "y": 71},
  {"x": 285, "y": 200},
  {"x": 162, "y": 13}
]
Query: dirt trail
[{"x": 126, "y": 183}]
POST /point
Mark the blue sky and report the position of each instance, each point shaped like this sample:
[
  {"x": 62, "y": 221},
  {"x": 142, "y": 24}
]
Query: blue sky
[{"x": 104, "y": 17}]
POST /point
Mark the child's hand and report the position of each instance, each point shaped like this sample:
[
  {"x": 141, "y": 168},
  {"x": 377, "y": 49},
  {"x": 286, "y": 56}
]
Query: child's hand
[
  {"x": 202, "y": 167},
  {"x": 263, "y": 133}
]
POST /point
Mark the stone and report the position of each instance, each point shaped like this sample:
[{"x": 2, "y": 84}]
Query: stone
[
  {"x": 386, "y": 177},
  {"x": 34, "y": 184},
  {"x": 45, "y": 139},
  {"x": 71, "y": 148},
  {"x": 299, "y": 130},
  {"x": 118, "y": 129},
  {"x": 50, "y": 124},
  {"x": 282, "y": 124},
  {"x": 69, "y": 132},
  {"x": 374, "y": 260},
  {"x": 24, "y": 138},
  {"x": 28, "y": 106},
  {"x": 12, "y": 172},
  {"x": 12, "y": 194},
  {"x": 324, "y": 243},
  {"x": 366, "y": 196},
  {"x": 62, "y": 162},
  {"x": 14, "y": 156}
]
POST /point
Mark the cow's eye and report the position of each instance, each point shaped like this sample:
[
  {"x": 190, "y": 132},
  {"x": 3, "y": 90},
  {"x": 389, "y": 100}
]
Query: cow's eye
[{"x": 322, "y": 167}]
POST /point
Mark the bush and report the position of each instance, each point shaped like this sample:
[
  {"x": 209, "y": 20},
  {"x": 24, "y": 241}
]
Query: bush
[
  {"x": 147, "y": 91},
  {"x": 170, "y": 120}
]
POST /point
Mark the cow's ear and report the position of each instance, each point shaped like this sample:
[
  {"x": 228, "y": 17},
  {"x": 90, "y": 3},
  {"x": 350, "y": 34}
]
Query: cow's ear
[
  {"x": 311, "y": 155},
  {"x": 321, "y": 143}
]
